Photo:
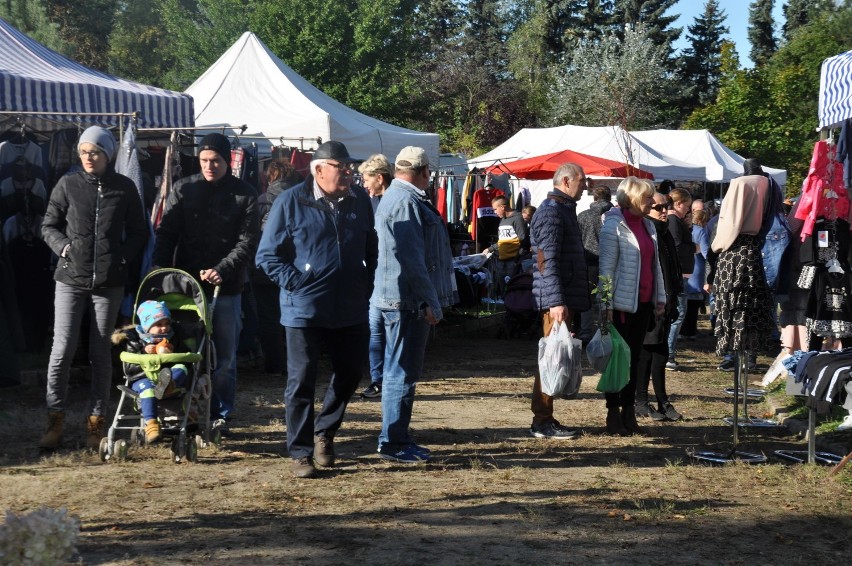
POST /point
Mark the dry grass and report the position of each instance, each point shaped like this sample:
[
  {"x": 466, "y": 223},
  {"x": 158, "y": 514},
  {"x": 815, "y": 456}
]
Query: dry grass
[{"x": 492, "y": 494}]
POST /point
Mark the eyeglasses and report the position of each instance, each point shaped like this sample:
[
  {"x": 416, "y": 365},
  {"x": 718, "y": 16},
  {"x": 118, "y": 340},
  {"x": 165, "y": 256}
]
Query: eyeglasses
[
  {"x": 91, "y": 154},
  {"x": 659, "y": 207},
  {"x": 340, "y": 166}
]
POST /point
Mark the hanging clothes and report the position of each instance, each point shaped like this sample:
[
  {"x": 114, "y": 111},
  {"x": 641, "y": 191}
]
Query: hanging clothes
[
  {"x": 485, "y": 221},
  {"x": 22, "y": 192},
  {"x": 62, "y": 154},
  {"x": 171, "y": 172},
  {"x": 11, "y": 150},
  {"x": 823, "y": 193}
]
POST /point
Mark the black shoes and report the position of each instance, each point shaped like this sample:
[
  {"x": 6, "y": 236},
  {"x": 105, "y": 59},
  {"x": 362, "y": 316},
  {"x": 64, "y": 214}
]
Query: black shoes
[
  {"x": 553, "y": 431},
  {"x": 669, "y": 413},
  {"x": 303, "y": 467},
  {"x": 372, "y": 391},
  {"x": 646, "y": 410},
  {"x": 324, "y": 451}
]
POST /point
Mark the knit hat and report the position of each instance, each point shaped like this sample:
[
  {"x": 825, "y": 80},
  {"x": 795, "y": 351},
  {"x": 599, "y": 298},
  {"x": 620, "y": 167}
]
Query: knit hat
[
  {"x": 100, "y": 137},
  {"x": 218, "y": 143},
  {"x": 150, "y": 312}
]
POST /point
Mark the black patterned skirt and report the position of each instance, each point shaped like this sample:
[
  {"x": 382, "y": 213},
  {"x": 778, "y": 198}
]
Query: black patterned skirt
[{"x": 743, "y": 300}]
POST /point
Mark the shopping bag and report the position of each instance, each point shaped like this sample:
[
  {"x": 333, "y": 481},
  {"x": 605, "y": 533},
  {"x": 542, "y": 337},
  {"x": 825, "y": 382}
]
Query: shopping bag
[
  {"x": 617, "y": 372},
  {"x": 559, "y": 362},
  {"x": 599, "y": 350}
]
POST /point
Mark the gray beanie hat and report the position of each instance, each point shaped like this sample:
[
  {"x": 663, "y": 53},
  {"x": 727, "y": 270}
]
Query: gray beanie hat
[{"x": 100, "y": 137}]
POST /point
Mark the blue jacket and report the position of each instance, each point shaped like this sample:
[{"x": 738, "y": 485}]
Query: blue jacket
[
  {"x": 560, "y": 278},
  {"x": 415, "y": 258},
  {"x": 323, "y": 266}
]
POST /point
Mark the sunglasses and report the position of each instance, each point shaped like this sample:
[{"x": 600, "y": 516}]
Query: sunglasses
[{"x": 659, "y": 207}]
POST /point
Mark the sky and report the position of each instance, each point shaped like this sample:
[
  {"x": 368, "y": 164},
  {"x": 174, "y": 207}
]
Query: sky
[{"x": 737, "y": 22}]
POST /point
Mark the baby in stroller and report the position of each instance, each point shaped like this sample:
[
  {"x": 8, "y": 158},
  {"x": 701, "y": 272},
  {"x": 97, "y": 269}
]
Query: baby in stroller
[{"x": 155, "y": 334}]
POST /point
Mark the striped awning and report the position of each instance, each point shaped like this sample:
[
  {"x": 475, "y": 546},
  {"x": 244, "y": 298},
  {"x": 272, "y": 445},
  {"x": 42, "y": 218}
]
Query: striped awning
[
  {"x": 835, "y": 90},
  {"x": 34, "y": 78}
]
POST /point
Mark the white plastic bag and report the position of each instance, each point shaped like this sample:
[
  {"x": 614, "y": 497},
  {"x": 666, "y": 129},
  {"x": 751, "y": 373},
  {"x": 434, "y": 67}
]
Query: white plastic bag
[
  {"x": 599, "y": 350},
  {"x": 559, "y": 362}
]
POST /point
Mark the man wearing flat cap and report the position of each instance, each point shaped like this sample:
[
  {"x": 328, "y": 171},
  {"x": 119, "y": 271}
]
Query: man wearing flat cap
[
  {"x": 319, "y": 246},
  {"x": 210, "y": 229},
  {"x": 414, "y": 283}
]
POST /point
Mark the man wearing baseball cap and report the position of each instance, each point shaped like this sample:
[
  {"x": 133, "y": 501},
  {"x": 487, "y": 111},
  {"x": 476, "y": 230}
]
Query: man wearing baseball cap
[
  {"x": 209, "y": 229},
  {"x": 414, "y": 284},
  {"x": 319, "y": 246}
]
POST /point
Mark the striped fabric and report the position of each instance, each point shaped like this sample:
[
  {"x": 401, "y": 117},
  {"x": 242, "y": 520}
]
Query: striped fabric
[
  {"x": 34, "y": 78},
  {"x": 835, "y": 90}
]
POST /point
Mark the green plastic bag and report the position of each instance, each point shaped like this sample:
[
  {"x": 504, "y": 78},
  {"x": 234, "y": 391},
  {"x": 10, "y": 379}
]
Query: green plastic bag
[{"x": 617, "y": 372}]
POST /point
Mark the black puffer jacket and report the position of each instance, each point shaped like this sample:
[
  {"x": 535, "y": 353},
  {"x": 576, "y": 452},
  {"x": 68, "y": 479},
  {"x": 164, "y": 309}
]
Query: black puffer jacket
[
  {"x": 103, "y": 220},
  {"x": 264, "y": 205},
  {"x": 209, "y": 226}
]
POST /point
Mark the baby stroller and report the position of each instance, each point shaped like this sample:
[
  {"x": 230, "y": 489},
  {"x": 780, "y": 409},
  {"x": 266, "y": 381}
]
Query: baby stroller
[
  {"x": 521, "y": 309},
  {"x": 184, "y": 415}
]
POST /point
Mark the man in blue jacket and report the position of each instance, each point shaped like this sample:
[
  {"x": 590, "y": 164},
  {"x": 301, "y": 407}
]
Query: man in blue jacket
[
  {"x": 320, "y": 247},
  {"x": 560, "y": 281}
]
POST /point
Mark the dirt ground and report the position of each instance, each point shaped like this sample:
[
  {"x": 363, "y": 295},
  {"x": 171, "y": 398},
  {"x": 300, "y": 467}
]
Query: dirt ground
[{"x": 491, "y": 495}]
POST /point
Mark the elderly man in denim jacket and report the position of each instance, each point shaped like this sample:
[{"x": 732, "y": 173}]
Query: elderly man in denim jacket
[
  {"x": 320, "y": 247},
  {"x": 414, "y": 282}
]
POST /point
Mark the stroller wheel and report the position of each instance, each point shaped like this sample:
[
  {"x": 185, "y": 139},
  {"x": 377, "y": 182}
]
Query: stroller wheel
[
  {"x": 137, "y": 437},
  {"x": 103, "y": 449},
  {"x": 191, "y": 449},
  {"x": 120, "y": 450}
]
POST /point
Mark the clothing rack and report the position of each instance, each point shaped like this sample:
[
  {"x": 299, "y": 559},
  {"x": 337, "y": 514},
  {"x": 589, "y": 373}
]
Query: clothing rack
[{"x": 45, "y": 115}]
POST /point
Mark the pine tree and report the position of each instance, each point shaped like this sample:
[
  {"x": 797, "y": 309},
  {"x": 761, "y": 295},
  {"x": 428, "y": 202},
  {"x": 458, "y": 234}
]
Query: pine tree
[
  {"x": 761, "y": 31},
  {"x": 702, "y": 60},
  {"x": 798, "y": 13},
  {"x": 629, "y": 14}
]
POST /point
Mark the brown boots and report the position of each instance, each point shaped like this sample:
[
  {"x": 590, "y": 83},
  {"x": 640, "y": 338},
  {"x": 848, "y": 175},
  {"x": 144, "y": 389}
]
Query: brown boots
[
  {"x": 152, "y": 431},
  {"x": 52, "y": 438},
  {"x": 94, "y": 432}
]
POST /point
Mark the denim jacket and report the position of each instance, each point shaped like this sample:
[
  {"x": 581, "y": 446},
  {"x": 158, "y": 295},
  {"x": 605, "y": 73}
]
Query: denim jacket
[{"x": 415, "y": 262}]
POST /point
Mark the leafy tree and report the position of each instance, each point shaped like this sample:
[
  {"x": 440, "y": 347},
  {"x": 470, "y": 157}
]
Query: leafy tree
[
  {"x": 615, "y": 82},
  {"x": 199, "y": 31},
  {"x": 761, "y": 31},
  {"x": 85, "y": 28},
  {"x": 139, "y": 45},
  {"x": 30, "y": 17},
  {"x": 702, "y": 60},
  {"x": 798, "y": 13}
]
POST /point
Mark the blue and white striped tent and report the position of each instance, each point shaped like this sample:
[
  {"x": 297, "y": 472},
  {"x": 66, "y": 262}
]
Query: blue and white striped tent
[
  {"x": 835, "y": 90},
  {"x": 34, "y": 78}
]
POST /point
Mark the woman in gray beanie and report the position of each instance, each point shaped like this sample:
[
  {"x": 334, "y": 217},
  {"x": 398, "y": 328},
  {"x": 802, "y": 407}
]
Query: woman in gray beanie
[{"x": 96, "y": 225}]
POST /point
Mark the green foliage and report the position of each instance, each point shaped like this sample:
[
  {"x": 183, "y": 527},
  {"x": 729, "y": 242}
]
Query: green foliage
[
  {"x": 702, "y": 60},
  {"x": 650, "y": 15},
  {"x": 761, "y": 31},
  {"x": 139, "y": 45},
  {"x": 84, "y": 28},
  {"x": 30, "y": 17},
  {"x": 614, "y": 82}
]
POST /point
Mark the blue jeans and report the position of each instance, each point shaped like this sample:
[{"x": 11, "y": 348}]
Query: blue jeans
[
  {"x": 347, "y": 348},
  {"x": 227, "y": 325},
  {"x": 405, "y": 334},
  {"x": 675, "y": 330},
  {"x": 70, "y": 304},
  {"x": 377, "y": 346}
]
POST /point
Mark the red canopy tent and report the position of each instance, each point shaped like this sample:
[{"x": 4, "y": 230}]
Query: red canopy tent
[{"x": 544, "y": 166}]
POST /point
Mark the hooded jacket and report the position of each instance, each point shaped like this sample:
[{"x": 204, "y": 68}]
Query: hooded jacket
[
  {"x": 102, "y": 220},
  {"x": 209, "y": 225}
]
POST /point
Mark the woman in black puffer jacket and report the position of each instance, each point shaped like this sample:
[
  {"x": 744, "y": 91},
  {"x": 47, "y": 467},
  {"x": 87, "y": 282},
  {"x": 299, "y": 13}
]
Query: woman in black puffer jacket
[{"x": 96, "y": 225}]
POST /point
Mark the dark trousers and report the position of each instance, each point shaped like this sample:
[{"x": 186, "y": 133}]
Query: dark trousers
[
  {"x": 690, "y": 321},
  {"x": 632, "y": 327},
  {"x": 652, "y": 368},
  {"x": 270, "y": 331},
  {"x": 347, "y": 348}
]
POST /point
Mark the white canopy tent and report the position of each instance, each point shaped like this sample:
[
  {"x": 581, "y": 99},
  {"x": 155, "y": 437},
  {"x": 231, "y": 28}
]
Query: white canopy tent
[
  {"x": 700, "y": 147},
  {"x": 610, "y": 142},
  {"x": 249, "y": 85}
]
